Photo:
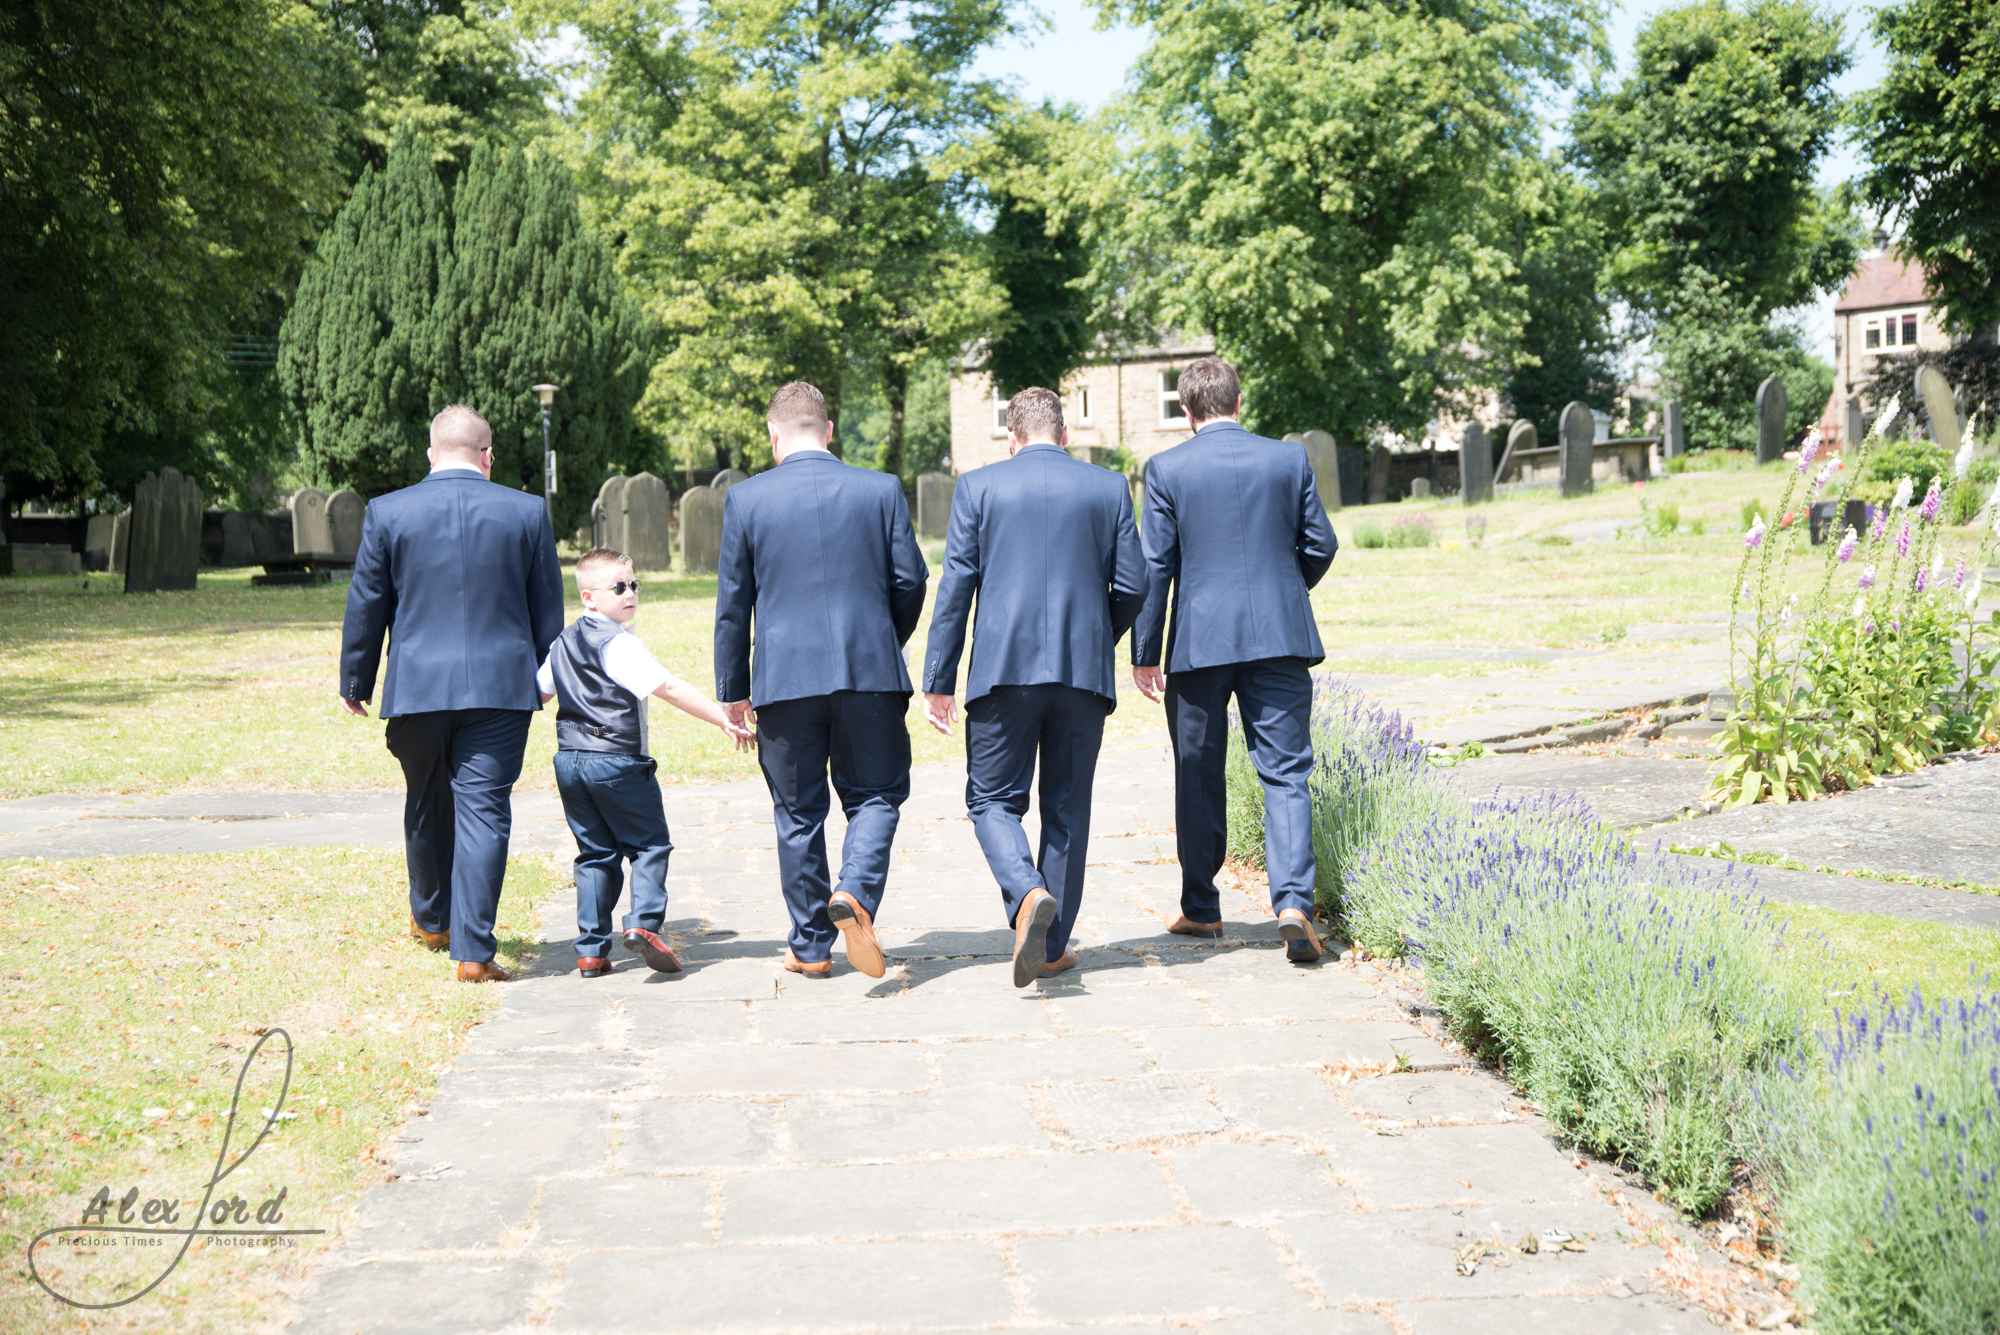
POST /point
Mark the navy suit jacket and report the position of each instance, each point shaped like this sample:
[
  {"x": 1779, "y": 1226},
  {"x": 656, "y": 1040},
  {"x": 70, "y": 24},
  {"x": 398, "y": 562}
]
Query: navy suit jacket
[
  {"x": 462, "y": 575},
  {"x": 1046, "y": 542},
  {"x": 822, "y": 556},
  {"x": 1234, "y": 525}
]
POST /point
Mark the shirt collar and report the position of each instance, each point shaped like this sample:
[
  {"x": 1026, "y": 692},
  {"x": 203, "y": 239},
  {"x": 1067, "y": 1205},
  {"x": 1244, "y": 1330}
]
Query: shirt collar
[
  {"x": 457, "y": 468},
  {"x": 1040, "y": 445},
  {"x": 809, "y": 452},
  {"x": 1219, "y": 421},
  {"x": 593, "y": 612}
]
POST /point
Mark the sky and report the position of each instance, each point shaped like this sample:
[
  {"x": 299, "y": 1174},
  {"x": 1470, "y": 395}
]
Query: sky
[{"x": 1071, "y": 60}]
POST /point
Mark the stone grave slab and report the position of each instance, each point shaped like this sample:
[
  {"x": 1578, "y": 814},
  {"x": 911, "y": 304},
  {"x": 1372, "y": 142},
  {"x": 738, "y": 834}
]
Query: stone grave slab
[
  {"x": 1324, "y": 456},
  {"x": 934, "y": 493},
  {"x": 645, "y": 525},
  {"x": 701, "y": 531},
  {"x": 607, "y": 514},
  {"x": 1475, "y": 466},
  {"x": 1771, "y": 412},
  {"x": 310, "y": 529},
  {"x": 1673, "y": 434},
  {"x": 344, "y": 512},
  {"x": 165, "y": 543},
  {"x": 1578, "y": 439}
]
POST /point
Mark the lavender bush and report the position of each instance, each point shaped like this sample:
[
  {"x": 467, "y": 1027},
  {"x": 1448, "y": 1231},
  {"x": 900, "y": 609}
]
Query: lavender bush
[
  {"x": 1631, "y": 1001},
  {"x": 1885, "y": 1159},
  {"x": 1370, "y": 779}
]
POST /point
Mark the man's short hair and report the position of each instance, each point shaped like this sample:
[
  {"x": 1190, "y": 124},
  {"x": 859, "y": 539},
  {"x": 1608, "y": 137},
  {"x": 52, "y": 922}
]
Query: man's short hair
[
  {"x": 460, "y": 430},
  {"x": 1209, "y": 389},
  {"x": 1035, "y": 414},
  {"x": 797, "y": 409},
  {"x": 596, "y": 563}
]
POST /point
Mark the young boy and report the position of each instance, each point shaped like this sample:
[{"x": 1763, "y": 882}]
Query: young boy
[{"x": 604, "y": 676}]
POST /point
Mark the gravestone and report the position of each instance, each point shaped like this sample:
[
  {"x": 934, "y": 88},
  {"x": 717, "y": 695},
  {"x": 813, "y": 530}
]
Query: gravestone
[
  {"x": 239, "y": 548},
  {"x": 607, "y": 514},
  {"x": 121, "y": 542},
  {"x": 1854, "y": 425},
  {"x": 1673, "y": 436},
  {"x": 1521, "y": 437},
  {"x": 166, "y": 533},
  {"x": 309, "y": 530},
  {"x": 1378, "y": 475},
  {"x": 263, "y": 545},
  {"x": 1771, "y": 413},
  {"x": 1475, "y": 466},
  {"x": 1420, "y": 488},
  {"x": 934, "y": 491},
  {"x": 98, "y": 535},
  {"x": 42, "y": 558},
  {"x": 1296, "y": 437},
  {"x": 344, "y": 511},
  {"x": 1578, "y": 434},
  {"x": 728, "y": 478},
  {"x": 701, "y": 530},
  {"x": 648, "y": 512},
  {"x": 1324, "y": 457},
  {"x": 1940, "y": 410}
]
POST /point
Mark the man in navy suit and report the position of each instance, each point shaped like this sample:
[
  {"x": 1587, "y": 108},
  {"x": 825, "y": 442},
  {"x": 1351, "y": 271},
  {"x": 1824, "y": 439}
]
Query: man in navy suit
[
  {"x": 820, "y": 556},
  {"x": 462, "y": 575},
  {"x": 1234, "y": 527},
  {"x": 1046, "y": 544}
]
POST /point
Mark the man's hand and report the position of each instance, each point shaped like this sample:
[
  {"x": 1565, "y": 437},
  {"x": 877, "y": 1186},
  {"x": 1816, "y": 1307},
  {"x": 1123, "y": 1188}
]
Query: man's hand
[
  {"x": 745, "y": 738},
  {"x": 1152, "y": 683},
  {"x": 741, "y": 717},
  {"x": 939, "y": 710},
  {"x": 358, "y": 708}
]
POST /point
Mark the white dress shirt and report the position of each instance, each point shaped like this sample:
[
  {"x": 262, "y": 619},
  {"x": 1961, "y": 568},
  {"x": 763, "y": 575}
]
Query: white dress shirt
[{"x": 628, "y": 662}]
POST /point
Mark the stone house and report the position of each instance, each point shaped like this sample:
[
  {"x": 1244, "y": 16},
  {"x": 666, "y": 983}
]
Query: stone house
[
  {"x": 1130, "y": 400},
  {"x": 1884, "y": 310}
]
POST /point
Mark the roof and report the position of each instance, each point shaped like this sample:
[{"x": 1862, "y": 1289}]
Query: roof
[{"x": 1883, "y": 280}]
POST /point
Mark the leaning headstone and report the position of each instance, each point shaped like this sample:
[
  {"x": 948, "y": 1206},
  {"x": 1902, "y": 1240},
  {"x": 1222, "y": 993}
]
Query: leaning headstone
[
  {"x": 1578, "y": 434},
  {"x": 344, "y": 511},
  {"x": 1324, "y": 457},
  {"x": 98, "y": 535},
  {"x": 239, "y": 548},
  {"x": 1475, "y": 466},
  {"x": 1940, "y": 410},
  {"x": 701, "y": 530},
  {"x": 166, "y": 533},
  {"x": 1854, "y": 425},
  {"x": 309, "y": 530},
  {"x": 1673, "y": 437},
  {"x": 1771, "y": 412},
  {"x": 607, "y": 514},
  {"x": 934, "y": 504},
  {"x": 728, "y": 478},
  {"x": 1521, "y": 437},
  {"x": 645, "y": 528},
  {"x": 1378, "y": 475},
  {"x": 121, "y": 542}
]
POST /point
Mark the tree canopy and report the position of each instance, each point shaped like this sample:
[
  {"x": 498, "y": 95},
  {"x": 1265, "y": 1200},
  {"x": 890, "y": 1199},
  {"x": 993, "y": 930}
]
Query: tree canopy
[{"x": 1931, "y": 134}]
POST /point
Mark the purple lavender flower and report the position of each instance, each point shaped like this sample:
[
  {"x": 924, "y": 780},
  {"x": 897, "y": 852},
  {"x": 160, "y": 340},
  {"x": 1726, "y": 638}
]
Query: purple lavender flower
[
  {"x": 1903, "y": 541},
  {"x": 1847, "y": 544},
  {"x": 1867, "y": 577},
  {"x": 1807, "y": 451},
  {"x": 1933, "y": 502},
  {"x": 1825, "y": 476},
  {"x": 1881, "y": 524},
  {"x": 1756, "y": 533},
  {"x": 1958, "y": 575},
  {"x": 1921, "y": 573}
]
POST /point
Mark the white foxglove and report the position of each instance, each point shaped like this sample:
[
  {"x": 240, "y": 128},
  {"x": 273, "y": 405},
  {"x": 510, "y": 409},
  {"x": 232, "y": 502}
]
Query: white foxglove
[{"x": 1904, "y": 490}]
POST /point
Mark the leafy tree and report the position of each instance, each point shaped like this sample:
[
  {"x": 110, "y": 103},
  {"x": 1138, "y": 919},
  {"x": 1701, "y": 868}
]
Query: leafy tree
[
  {"x": 1719, "y": 352},
  {"x": 1931, "y": 134},
  {"x": 1331, "y": 188},
  {"x": 165, "y": 165},
  {"x": 1040, "y": 258},
  {"x": 419, "y": 298},
  {"x": 778, "y": 185},
  {"x": 1567, "y": 346}
]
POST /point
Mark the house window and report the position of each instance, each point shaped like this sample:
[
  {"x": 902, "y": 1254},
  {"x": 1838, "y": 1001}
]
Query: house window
[
  {"x": 1874, "y": 334},
  {"x": 1170, "y": 397},
  {"x": 1910, "y": 329},
  {"x": 1083, "y": 406},
  {"x": 999, "y": 414}
]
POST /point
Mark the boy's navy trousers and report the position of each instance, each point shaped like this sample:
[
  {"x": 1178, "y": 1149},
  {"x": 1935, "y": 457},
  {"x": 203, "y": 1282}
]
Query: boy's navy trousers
[{"x": 615, "y": 811}]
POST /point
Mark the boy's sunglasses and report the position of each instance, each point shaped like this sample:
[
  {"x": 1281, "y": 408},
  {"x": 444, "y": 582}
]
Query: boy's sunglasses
[{"x": 617, "y": 588}]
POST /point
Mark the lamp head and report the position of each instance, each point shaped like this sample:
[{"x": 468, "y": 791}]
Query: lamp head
[{"x": 547, "y": 393}]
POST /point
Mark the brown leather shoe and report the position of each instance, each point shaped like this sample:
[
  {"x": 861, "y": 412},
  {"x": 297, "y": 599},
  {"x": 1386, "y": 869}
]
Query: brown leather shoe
[
  {"x": 1301, "y": 938},
  {"x": 864, "y": 952},
  {"x": 817, "y": 969},
  {"x": 1031, "y": 935},
  {"x": 590, "y": 966},
  {"x": 432, "y": 940},
  {"x": 1068, "y": 961},
  {"x": 648, "y": 946},
  {"x": 1186, "y": 926},
  {"x": 472, "y": 971}
]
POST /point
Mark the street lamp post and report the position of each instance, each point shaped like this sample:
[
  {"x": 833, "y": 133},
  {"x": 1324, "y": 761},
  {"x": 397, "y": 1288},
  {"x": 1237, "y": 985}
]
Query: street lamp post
[{"x": 547, "y": 394}]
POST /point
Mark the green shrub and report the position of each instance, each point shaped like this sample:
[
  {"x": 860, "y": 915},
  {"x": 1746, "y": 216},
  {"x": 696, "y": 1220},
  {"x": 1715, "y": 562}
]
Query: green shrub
[
  {"x": 1697, "y": 526},
  {"x": 1662, "y": 520},
  {"x": 1893, "y": 460},
  {"x": 1415, "y": 531},
  {"x": 1886, "y": 1158},
  {"x": 1633, "y": 1002},
  {"x": 1751, "y": 510},
  {"x": 1368, "y": 533}
]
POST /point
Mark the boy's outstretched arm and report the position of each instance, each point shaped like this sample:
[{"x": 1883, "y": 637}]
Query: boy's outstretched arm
[{"x": 691, "y": 701}]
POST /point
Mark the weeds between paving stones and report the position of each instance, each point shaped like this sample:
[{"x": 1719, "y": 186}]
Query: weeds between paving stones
[{"x": 124, "y": 1056}]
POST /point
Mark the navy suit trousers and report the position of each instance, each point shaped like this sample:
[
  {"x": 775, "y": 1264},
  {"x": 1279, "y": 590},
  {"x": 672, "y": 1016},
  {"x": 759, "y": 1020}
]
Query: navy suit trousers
[
  {"x": 1274, "y": 700},
  {"x": 612, "y": 802},
  {"x": 862, "y": 738},
  {"x": 1005, "y": 731},
  {"x": 459, "y": 767}
]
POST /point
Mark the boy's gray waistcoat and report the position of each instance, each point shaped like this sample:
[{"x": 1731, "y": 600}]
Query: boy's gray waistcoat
[{"x": 593, "y": 713}]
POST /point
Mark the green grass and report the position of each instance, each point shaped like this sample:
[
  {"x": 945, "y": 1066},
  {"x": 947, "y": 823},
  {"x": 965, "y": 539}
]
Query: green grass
[
  {"x": 1870, "y": 952},
  {"x": 134, "y": 988}
]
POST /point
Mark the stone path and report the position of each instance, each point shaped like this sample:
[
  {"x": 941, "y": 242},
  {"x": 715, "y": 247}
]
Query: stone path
[{"x": 1200, "y": 1137}]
